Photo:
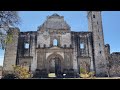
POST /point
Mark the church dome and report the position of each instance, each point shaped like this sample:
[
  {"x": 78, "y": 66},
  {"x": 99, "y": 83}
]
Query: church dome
[{"x": 55, "y": 22}]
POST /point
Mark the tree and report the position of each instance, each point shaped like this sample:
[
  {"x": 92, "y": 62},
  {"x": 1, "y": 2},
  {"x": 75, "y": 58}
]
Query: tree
[
  {"x": 85, "y": 72},
  {"x": 7, "y": 19},
  {"x": 21, "y": 72}
]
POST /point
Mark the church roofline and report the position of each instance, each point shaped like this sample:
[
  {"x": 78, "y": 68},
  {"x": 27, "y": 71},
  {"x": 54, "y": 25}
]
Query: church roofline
[
  {"x": 81, "y": 32},
  {"x": 55, "y": 15},
  {"x": 115, "y": 53},
  {"x": 29, "y": 32}
]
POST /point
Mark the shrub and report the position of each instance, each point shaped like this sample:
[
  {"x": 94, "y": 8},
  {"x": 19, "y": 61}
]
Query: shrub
[
  {"x": 21, "y": 72},
  {"x": 85, "y": 74}
]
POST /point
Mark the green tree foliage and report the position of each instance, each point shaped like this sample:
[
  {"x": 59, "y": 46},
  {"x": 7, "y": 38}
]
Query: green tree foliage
[
  {"x": 85, "y": 74},
  {"x": 21, "y": 72},
  {"x": 9, "y": 37}
]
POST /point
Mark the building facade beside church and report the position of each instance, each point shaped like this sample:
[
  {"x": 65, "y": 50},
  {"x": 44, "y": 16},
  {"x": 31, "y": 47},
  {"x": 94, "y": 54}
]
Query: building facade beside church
[{"x": 54, "y": 47}]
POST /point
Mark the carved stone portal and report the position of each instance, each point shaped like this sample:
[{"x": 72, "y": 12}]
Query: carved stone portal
[{"x": 55, "y": 63}]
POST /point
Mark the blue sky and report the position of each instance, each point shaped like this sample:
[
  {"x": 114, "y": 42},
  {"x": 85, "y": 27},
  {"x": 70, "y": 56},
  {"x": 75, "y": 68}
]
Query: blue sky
[{"x": 30, "y": 20}]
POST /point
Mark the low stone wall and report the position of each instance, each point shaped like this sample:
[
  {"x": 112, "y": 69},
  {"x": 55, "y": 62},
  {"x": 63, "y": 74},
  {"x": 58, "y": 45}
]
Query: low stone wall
[{"x": 115, "y": 64}]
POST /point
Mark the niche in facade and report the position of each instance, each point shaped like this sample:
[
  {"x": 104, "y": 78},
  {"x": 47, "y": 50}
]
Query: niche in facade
[{"x": 55, "y": 42}]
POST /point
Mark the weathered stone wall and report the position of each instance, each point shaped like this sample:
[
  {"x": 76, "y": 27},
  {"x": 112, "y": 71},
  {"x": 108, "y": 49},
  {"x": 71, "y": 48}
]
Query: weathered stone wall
[
  {"x": 68, "y": 58},
  {"x": 10, "y": 56},
  {"x": 30, "y": 38},
  {"x": 55, "y": 22},
  {"x": 114, "y": 64},
  {"x": 43, "y": 39},
  {"x": 95, "y": 26},
  {"x": 45, "y": 54},
  {"x": 33, "y": 52},
  {"x": 63, "y": 39},
  {"x": 66, "y": 40},
  {"x": 25, "y": 60},
  {"x": 26, "y": 38},
  {"x": 56, "y": 50},
  {"x": 107, "y": 51},
  {"x": 84, "y": 63},
  {"x": 41, "y": 58},
  {"x": 84, "y": 38},
  {"x": 55, "y": 27},
  {"x": 1, "y": 69}
]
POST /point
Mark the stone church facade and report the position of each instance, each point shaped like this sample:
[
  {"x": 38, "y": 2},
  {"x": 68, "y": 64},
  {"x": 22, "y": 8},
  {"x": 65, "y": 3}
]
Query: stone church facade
[{"x": 54, "y": 47}]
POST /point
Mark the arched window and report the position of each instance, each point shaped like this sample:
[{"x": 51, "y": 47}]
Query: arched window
[
  {"x": 81, "y": 45},
  {"x": 55, "y": 42},
  {"x": 26, "y": 45}
]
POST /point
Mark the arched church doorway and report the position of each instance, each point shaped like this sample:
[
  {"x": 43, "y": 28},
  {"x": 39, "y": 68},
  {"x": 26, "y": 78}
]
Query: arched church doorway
[{"x": 55, "y": 64}]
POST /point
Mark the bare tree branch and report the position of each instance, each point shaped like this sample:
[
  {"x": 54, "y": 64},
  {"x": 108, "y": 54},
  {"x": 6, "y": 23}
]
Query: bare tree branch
[{"x": 7, "y": 19}]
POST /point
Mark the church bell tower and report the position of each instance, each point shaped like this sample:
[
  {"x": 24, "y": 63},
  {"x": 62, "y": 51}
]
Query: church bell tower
[{"x": 95, "y": 26}]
